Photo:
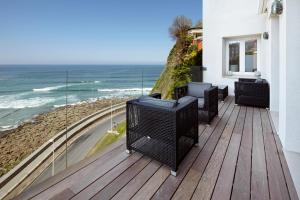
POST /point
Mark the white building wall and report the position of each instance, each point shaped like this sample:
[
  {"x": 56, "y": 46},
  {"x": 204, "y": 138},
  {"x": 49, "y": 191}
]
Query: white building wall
[
  {"x": 229, "y": 19},
  {"x": 280, "y": 54},
  {"x": 280, "y": 60},
  {"x": 273, "y": 62},
  {"x": 289, "y": 122}
]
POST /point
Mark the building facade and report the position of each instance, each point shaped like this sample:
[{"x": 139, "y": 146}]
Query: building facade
[
  {"x": 243, "y": 38},
  {"x": 197, "y": 32}
]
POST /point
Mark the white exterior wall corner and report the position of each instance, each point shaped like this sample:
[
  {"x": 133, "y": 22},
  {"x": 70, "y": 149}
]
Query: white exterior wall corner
[
  {"x": 229, "y": 18},
  {"x": 290, "y": 93}
]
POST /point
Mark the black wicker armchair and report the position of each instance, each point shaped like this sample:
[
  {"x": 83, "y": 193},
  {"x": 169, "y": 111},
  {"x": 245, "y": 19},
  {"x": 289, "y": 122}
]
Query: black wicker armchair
[
  {"x": 252, "y": 92},
  {"x": 162, "y": 130},
  {"x": 207, "y": 96}
]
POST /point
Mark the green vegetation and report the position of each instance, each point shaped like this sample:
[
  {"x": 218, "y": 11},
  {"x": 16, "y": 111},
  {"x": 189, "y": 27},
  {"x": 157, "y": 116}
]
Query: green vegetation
[
  {"x": 109, "y": 138},
  {"x": 181, "y": 58}
]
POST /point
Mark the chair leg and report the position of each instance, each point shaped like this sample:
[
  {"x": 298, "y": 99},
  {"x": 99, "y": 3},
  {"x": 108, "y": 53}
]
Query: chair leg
[
  {"x": 173, "y": 173},
  {"x": 128, "y": 151}
]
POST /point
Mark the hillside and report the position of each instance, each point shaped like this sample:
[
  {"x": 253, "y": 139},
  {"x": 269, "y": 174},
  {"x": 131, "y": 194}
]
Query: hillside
[{"x": 178, "y": 69}]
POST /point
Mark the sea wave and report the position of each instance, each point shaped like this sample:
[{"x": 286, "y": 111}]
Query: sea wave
[
  {"x": 73, "y": 100},
  {"x": 47, "y": 89},
  {"x": 25, "y": 103},
  {"x": 9, "y": 127},
  {"x": 51, "y": 88}
]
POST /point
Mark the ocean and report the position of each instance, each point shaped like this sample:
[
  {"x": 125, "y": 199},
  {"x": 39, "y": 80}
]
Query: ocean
[{"x": 28, "y": 90}]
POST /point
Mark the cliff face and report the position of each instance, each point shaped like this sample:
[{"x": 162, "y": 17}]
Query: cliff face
[
  {"x": 177, "y": 70},
  {"x": 164, "y": 83}
]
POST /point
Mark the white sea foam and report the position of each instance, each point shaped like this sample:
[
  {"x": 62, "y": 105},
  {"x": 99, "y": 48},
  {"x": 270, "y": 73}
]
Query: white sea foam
[
  {"x": 59, "y": 105},
  {"x": 51, "y": 88},
  {"x": 71, "y": 99},
  {"x": 47, "y": 89},
  {"x": 25, "y": 103},
  {"x": 9, "y": 127}
]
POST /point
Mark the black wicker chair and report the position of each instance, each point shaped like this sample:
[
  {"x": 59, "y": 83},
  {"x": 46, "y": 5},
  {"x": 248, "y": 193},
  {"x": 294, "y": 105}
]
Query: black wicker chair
[
  {"x": 207, "y": 96},
  {"x": 252, "y": 92},
  {"x": 164, "y": 133}
]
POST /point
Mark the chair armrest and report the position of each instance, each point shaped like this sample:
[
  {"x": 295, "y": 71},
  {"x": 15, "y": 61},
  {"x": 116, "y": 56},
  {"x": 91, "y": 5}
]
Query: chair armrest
[
  {"x": 180, "y": 91},
  {"x": 155, "y": 95},
  {"x": 211, "y": 98}
]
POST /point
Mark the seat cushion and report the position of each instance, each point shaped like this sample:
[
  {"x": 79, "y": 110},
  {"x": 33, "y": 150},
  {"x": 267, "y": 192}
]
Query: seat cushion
[
  {"x": 200, "y": 103},
  {"x": 197, "y": 89},
  {"x": 158, "y": 102},
  {"x": 185, "y": 99}
]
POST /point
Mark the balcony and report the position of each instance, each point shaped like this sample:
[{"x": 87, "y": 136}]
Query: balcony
[{"x": 239, "y": 156}]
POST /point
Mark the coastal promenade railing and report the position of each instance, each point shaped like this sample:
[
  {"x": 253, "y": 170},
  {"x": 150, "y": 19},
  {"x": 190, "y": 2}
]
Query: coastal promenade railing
[{"x": 14, "y": 177}]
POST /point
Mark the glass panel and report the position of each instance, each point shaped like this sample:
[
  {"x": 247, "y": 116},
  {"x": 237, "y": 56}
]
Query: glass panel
[
  {"x": 38, "y": 102},
  {"x": 251, "y": 56},
  {"x": 234, "y": 57}
]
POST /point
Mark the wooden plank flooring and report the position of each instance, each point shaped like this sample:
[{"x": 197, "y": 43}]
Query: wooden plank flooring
[{"x": 239, "y": 156}]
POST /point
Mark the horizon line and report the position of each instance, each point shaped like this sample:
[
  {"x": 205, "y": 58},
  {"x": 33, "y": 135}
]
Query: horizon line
[{"x": 91, "y": 64}]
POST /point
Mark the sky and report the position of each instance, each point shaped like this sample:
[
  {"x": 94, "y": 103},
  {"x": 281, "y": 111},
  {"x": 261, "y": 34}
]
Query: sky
[{"x": 90, "y": 31}]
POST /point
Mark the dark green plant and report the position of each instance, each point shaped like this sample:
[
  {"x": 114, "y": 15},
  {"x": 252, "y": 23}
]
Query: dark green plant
[{"x": 181, "y": 73}]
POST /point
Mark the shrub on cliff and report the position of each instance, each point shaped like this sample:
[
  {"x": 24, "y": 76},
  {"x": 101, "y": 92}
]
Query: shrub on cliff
[
  {"x": 181, "y": 58},
  {"x": 181, "y": 74}
]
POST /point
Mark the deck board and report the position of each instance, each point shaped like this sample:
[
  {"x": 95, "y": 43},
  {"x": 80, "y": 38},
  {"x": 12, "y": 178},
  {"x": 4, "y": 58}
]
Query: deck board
[
  {"x": 288, "y": 177},
  {"x": 89, "y": 173},
  {"x": 170, "y": 186},
  {"x": 190, "y": 182},
  {"x": 286, "y": 172},
  {"x": 111, "y": 189},
  {"x": 152, "y": 185},
  {"x": 239, "y": 156},
  {"x": 90, "y": 190},
  {"x": 208, "y": 180},
  {"x": 225, "y": 180},
  {"x": 259, "y": 180},
  {"x": 137, "y": 182},
  {"x": 277, "y": 183},
  {"x": 242, "y": 180},
  {"x": 115, "y": 149}
]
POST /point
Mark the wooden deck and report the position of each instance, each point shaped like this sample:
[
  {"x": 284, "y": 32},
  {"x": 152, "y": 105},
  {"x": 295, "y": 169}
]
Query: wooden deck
[{"x": 238, "y": 157}]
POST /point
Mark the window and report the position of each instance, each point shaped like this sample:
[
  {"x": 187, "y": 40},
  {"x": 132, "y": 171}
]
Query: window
[
  {"x": 242, "y": 55},
  {"x": 251, "y": 56},
  {"x": 234, "y": 57}
]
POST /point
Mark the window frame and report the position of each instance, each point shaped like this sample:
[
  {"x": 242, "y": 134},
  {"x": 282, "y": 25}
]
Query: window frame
[{"x": 242, "y": 65}]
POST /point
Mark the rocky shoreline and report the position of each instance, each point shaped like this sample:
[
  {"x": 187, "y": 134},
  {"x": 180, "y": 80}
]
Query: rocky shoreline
[{"x": 17, "y": 144}]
